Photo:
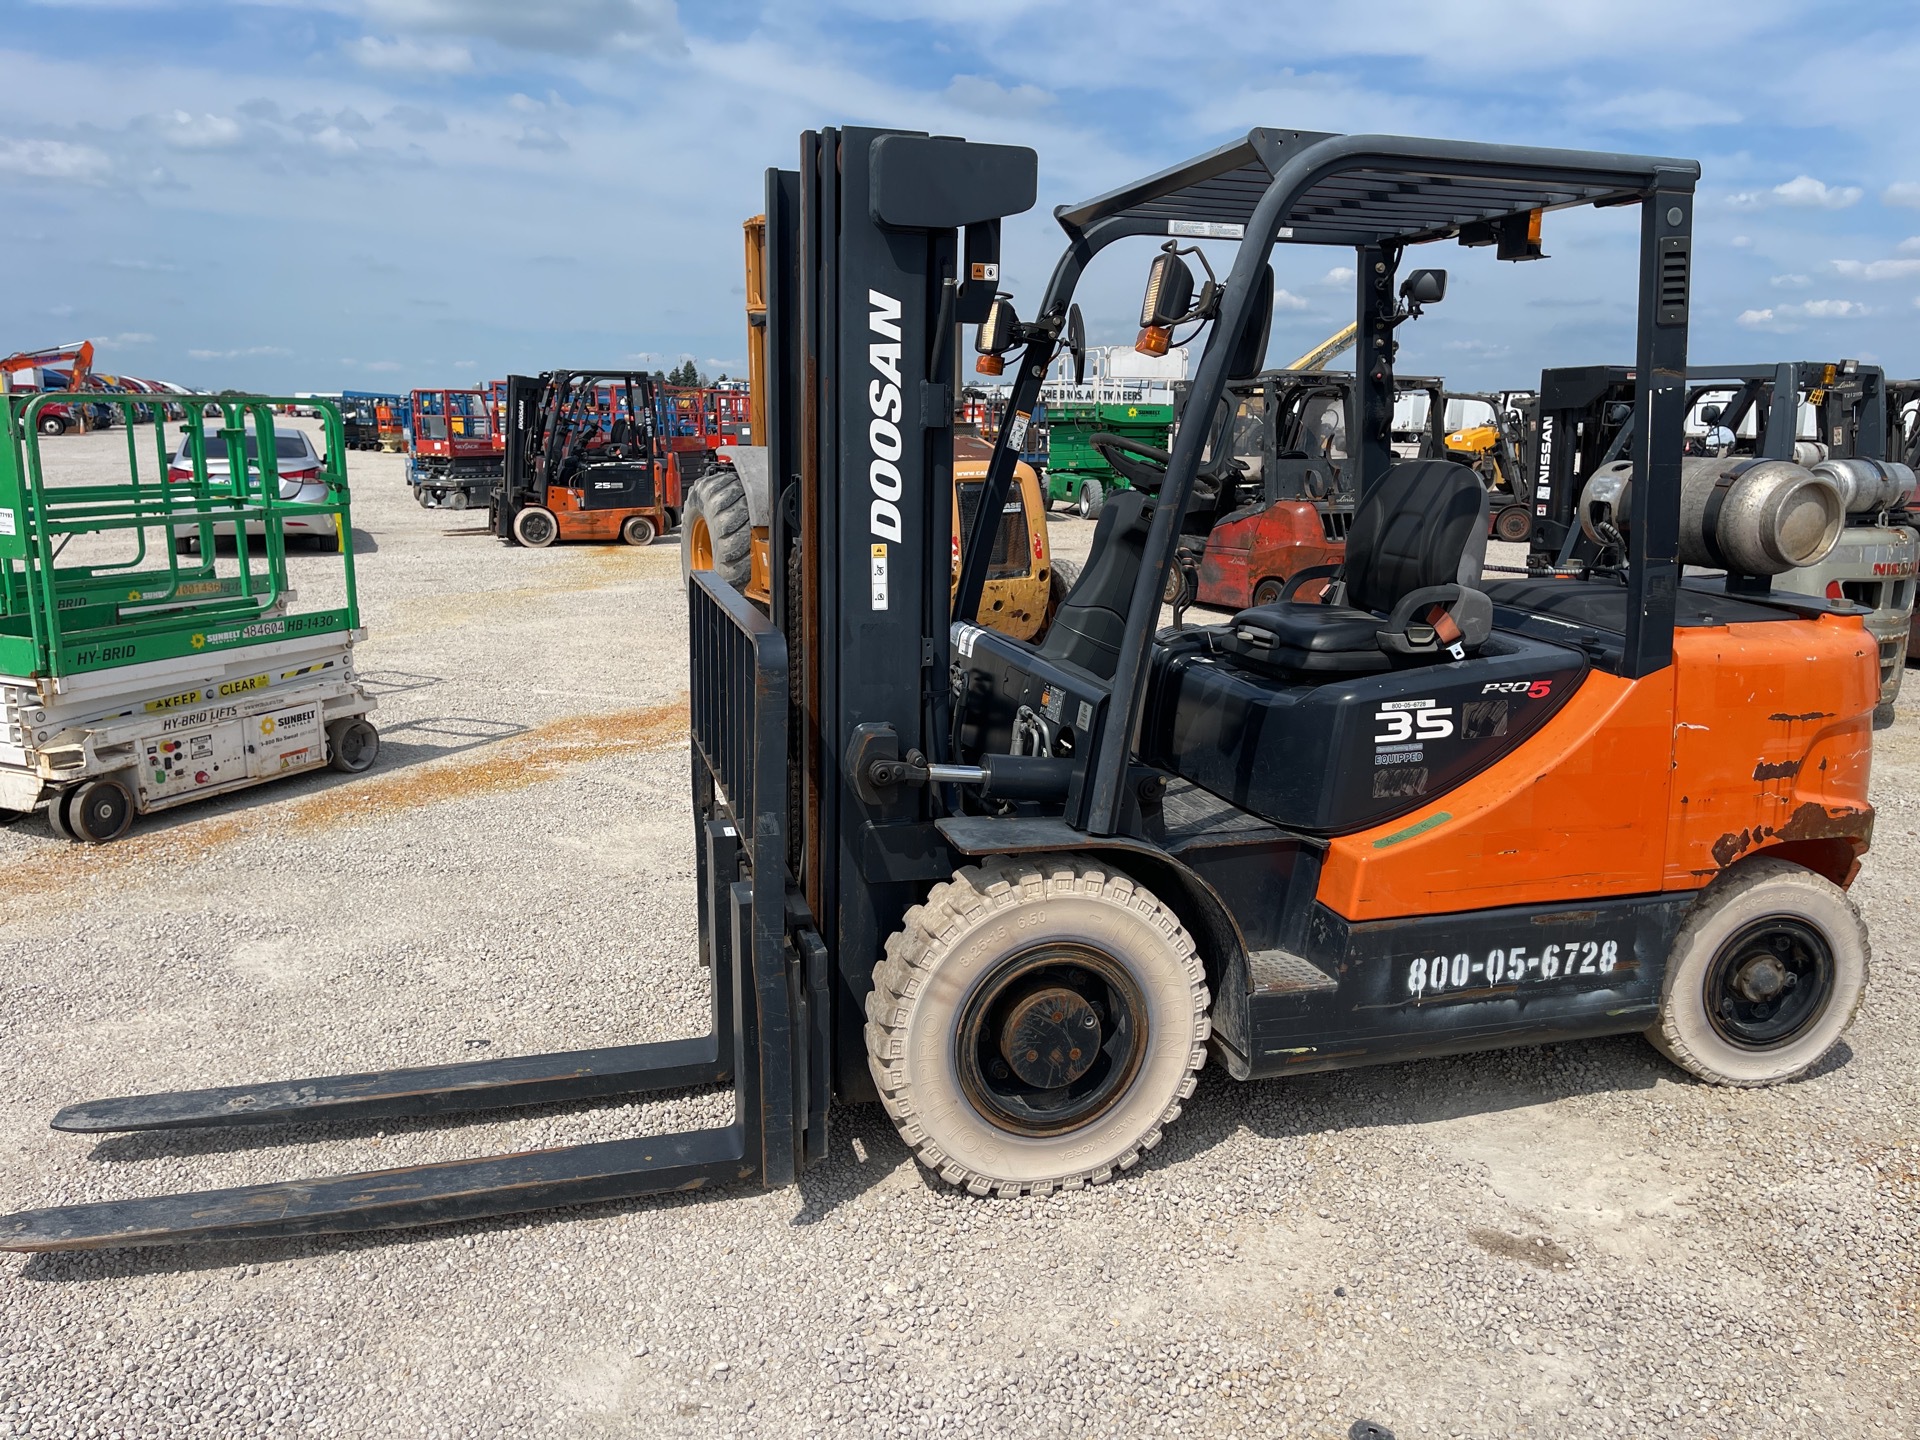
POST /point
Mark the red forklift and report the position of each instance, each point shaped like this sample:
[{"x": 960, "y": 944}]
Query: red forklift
[
  {"x": 455, "y": 449},
  {"x": 1275, "y": 493},
  {"x": 584, "y": 461}
]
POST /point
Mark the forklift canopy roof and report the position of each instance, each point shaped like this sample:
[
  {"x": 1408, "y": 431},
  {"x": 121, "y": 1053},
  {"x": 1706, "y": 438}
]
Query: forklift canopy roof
[{"x": 1372, "y": 188}]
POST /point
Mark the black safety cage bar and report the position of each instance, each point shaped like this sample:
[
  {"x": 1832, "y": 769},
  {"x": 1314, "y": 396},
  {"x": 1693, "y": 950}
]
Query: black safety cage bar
[{"x": 1378, "y": 194}]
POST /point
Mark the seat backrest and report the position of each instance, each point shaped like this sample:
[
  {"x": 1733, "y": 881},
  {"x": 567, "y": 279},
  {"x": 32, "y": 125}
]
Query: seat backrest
[
  {"x": 1414, "y": 529},
  {"x": 1091, "y": 621}
]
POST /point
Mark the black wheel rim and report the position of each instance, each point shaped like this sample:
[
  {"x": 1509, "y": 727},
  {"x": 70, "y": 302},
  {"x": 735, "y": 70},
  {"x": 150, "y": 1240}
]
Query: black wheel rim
[
  {"x": 102, "y": 812},
  {"x": 537, "y": 529},
  {"x": 1769, "y": 983},
  {"x": 1051, "y": 1039}
]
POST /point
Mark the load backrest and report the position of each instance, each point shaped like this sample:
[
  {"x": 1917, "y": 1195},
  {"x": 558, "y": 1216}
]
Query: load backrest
[{"x": 1424, "y": 524}]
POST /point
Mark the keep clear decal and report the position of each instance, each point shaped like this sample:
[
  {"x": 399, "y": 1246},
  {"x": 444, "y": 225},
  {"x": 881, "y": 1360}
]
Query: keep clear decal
[{"x": 878, "y": 575}]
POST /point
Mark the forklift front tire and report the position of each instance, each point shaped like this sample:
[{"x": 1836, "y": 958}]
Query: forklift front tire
[
  {"x": 535, "y": 527},
  {"x": 100, "y": 810},
  {"x": 1514, "y": 524},
  {"x": 638, "y": 530},
  {"x": 1036, "y": 1024},
  {"x": 1764, "y": 977}
]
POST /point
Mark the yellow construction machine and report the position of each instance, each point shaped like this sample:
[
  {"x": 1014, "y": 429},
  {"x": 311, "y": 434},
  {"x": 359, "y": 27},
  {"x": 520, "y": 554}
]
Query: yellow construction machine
[{"x": 729, "y": 508}]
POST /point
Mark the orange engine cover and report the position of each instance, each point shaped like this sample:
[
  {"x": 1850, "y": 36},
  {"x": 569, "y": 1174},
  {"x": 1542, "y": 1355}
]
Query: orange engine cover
[{"x": 1758, "y": 738}]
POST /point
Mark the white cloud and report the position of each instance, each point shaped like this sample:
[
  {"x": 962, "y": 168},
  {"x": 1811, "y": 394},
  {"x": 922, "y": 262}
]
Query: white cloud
[
  {"x": 1905, "y": 193},
  {"x": 1786, "y": 318},
  {"x": 336, "y": 141},
  {"x": 1909, "y": 246},
  {"x": 1789, "y": 282},
  {"x": 1831, "y": 309},
  {"x": 241, "y": 354},
  {"x": 1338, "y": 275},
  {"x": 54, "y": 160},
  {"x": 185, "y": 131},
  {"x": 538, "y": 137},
  {"x": 1741, "y": 242},
  {"x": 1876, "y": 269},
  {"x": 1287, "y": 300},
  {"x": 409, "y": 56},
  {"x": 986, "y": 97},
  {"x": 130, "y": 337},
  {"x": 1805, "y": 192},
  {"x": 578, "y": 27},
  {"x": 466, "y": 364}
]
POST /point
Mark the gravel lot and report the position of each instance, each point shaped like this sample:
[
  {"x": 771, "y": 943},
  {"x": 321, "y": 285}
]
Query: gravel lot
[{"x": 1570, "y": 1241}]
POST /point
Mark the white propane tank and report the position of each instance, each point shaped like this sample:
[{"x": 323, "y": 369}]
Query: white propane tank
[
  {"x": 1869, "y": 487},
  {"x": 1754, "y": 517}
]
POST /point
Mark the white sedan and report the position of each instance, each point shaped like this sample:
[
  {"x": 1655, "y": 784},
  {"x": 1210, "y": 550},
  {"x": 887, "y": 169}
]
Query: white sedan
[{"x": 299, "y": 467}]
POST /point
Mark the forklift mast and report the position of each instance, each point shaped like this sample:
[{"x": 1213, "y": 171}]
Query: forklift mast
[{"x": 877, "y": 248}]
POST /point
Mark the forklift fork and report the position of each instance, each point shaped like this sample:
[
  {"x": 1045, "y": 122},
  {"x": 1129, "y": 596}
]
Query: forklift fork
[{"x": 769, "y": 1035}]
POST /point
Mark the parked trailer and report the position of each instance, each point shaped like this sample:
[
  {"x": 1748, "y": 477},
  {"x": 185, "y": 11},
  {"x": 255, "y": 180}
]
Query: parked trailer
[{"x": 135, "y": 677}]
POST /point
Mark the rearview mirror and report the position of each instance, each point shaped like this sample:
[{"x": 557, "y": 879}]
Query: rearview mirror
[
  {"x": 1424, "y": 287},
  {"x": 1251, "y": 352},
  {"x": 1619, "y": 412},
  {"x": 1710, "y": 414},
  {"x": 1077, "y": 343}
]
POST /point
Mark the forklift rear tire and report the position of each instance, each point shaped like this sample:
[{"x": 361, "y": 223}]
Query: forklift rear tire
[
  {"x": 716, "y": 531},
  {"x": 352, "y": 744},
  {"x": 1269, "y": 591},
  {"x": 638, "y": 530},
  {"x": 1091, "y": 500},
  {"x": 1514, "y": 524},
  {"x": 535, "y": 527},
  {"x": 1036, "y": 1024},
  {"x": 1764, "y": 977},
  {"x": 100, "y": 810}
]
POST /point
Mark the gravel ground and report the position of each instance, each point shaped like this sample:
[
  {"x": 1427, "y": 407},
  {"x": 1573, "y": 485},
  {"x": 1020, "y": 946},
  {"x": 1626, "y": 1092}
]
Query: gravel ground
[{"x": 1569, "y": 1241}]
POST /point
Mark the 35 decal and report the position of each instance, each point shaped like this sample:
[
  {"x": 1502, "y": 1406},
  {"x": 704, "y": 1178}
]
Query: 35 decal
[{"x": 1403, "y": 720}]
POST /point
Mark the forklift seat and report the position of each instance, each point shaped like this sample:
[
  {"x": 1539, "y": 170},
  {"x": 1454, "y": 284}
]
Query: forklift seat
[
  {"x": 1408, "y": 586},
  {"x": 1091, "y": 621}
]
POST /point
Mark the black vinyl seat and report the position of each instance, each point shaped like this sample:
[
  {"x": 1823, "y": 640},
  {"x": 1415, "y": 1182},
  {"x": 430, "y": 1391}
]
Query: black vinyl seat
[
  {"x": 1091, "y": 621},
  {"x": 1407, "y": 588}
]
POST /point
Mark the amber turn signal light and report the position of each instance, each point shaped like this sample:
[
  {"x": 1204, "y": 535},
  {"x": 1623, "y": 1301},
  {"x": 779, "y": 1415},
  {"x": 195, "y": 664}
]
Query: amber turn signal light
[{"x": 1154, "y": 340}]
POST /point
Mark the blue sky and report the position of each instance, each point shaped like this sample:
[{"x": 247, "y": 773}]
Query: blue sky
[{"x": 387, "y": 193}]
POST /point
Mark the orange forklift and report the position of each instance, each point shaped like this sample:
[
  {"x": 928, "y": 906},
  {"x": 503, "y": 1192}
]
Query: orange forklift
[
  {"x": 584, "y": 461},
  {"x": 1019, "y": 892}
]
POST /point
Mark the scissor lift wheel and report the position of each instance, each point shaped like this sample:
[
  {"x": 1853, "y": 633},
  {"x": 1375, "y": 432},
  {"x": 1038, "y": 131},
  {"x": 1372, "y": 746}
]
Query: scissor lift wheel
[
  {"x": 1036, "y": 1024},
  {"x": 1765, "y": 976},
  {"x": 100, "y": 810}
]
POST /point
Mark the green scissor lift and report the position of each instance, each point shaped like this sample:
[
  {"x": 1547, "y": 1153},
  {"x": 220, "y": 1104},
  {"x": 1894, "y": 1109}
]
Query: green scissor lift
[
  {"x": 1080, "y": 474},
  {"x": 134, "y": 676}
]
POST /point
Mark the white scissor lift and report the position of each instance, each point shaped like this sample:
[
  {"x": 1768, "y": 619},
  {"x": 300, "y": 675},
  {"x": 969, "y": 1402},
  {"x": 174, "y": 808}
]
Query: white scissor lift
[{"x": 134, "y": 677}]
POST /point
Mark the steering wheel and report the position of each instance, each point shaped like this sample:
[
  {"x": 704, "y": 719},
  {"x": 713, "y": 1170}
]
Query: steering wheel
[{"x": 1144, "y": 466}]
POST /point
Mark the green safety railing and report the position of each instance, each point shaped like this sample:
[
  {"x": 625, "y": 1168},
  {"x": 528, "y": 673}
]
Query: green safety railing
[{"x": 63, "y": 614}]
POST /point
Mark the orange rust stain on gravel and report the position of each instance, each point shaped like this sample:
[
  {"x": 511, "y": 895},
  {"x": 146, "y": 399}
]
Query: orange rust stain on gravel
[{"x": 514, "y": 763}]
